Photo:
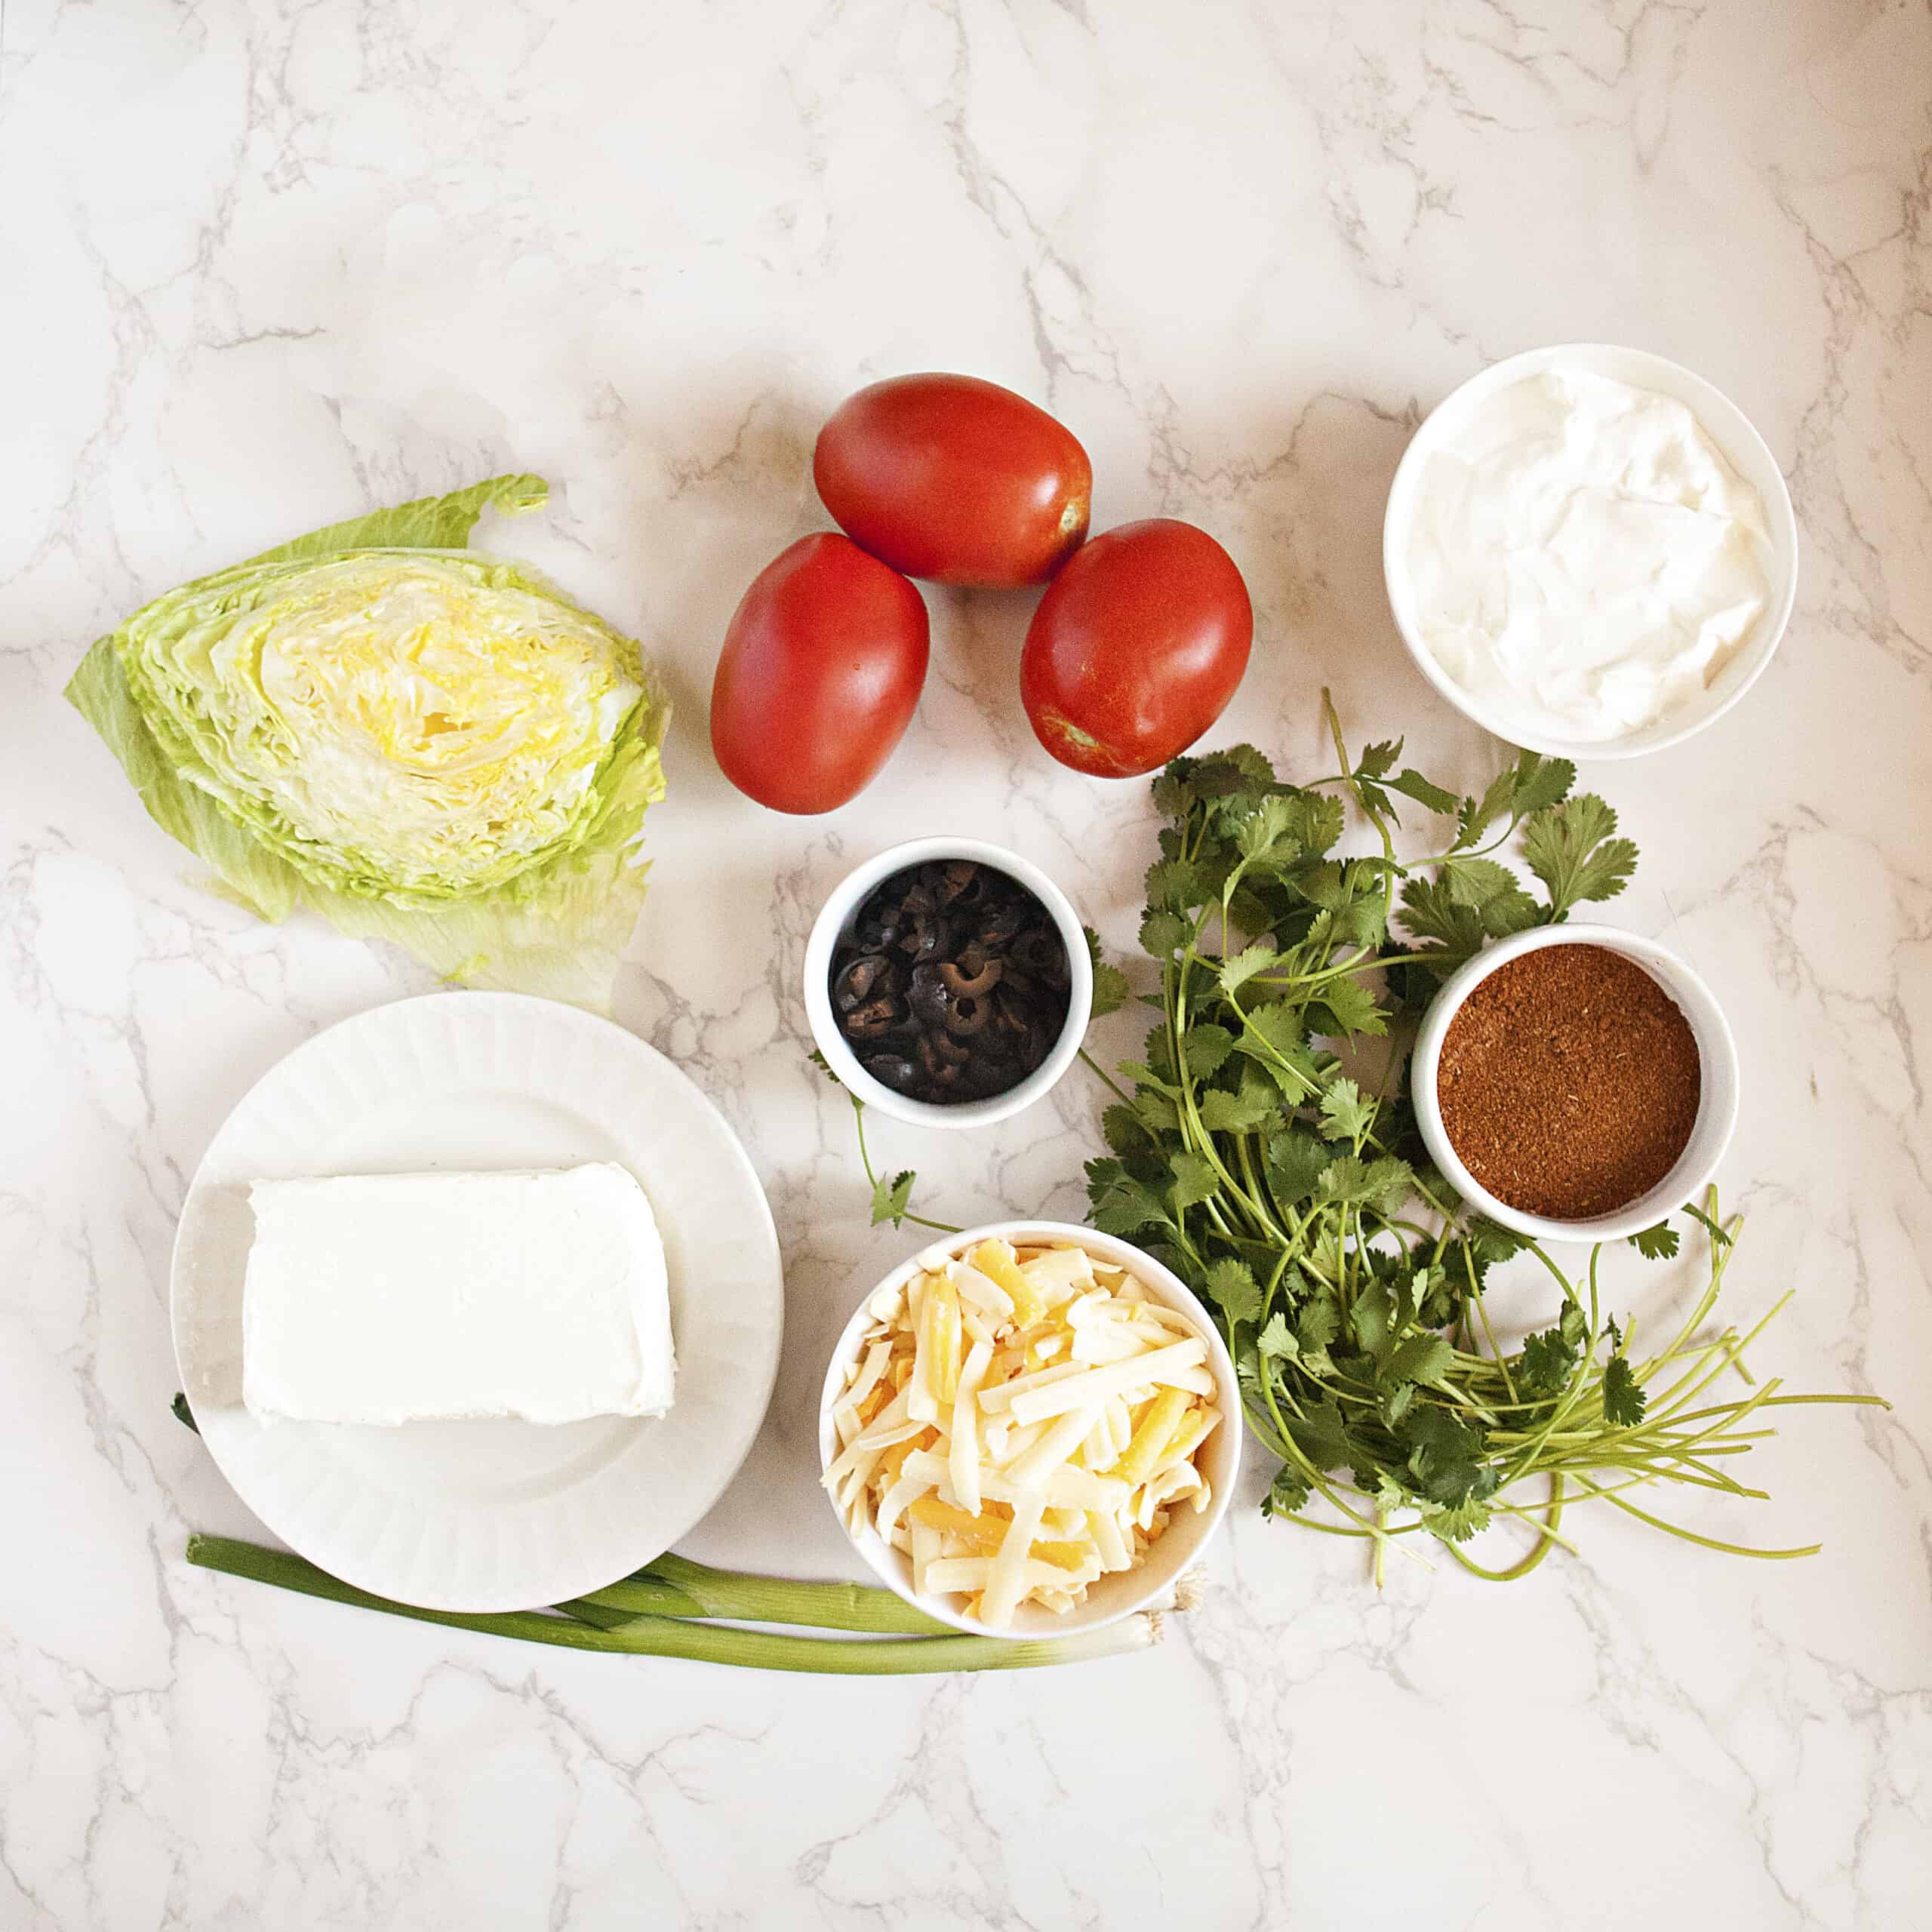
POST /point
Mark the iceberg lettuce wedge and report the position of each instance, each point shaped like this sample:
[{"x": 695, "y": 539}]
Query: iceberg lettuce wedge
[{"x": 422, "y": 743}]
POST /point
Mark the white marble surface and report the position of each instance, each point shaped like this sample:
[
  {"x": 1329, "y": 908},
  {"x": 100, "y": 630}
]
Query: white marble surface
[{"x": 265, "y": 266}]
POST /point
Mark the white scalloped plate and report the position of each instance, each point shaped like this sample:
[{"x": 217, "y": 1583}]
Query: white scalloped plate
[{"x": 488, "y": 1515}]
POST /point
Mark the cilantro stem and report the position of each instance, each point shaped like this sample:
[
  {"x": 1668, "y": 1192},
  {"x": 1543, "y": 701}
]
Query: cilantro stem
[
  {"x": 917, "y": 1220},
  {"x": 1107, "y": 1079},
  {"x": 1691, "y": 1536}
]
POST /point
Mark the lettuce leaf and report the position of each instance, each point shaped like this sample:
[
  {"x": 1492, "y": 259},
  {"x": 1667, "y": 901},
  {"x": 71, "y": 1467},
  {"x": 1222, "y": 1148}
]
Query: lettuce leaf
[{"x": 424, "y": 744}]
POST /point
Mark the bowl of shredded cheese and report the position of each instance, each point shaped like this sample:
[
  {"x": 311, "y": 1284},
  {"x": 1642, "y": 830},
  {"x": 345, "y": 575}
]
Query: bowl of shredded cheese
[{"x": 1031, "y": 1429}]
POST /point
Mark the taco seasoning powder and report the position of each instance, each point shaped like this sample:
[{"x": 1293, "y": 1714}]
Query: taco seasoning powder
[{"x": 1569, "y": 1081}]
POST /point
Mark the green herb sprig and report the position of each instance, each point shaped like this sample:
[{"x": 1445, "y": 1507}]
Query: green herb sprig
[{"x": 1251, "y": 1158}]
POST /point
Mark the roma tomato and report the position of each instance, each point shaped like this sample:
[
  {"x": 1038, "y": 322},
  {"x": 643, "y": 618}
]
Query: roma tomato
[
  {"x": 1136, "y": 649},
  {"x": 957, "y": 480},
  {"x": 820, "y": 674}
]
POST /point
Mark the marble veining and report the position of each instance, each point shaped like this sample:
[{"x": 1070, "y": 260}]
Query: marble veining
[{"x": 268, "y": 265}]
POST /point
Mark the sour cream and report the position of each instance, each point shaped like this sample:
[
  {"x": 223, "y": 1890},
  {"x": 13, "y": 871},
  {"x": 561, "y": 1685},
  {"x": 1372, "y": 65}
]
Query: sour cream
[{"x": 1582, "y": 559}]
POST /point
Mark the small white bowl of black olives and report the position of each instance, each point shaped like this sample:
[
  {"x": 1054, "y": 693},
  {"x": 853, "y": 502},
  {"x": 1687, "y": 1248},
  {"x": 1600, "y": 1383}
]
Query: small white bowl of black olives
[{"x": 948, "y": 983}]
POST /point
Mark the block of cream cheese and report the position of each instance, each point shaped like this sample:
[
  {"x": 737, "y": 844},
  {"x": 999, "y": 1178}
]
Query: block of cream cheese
[{"x": 394, "y": 1298}]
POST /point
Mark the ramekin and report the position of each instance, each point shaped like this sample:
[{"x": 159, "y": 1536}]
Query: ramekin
[
  {"x": 842, "y": 908},
  {"x": 1110, "y": 1598},
  {"x": 1719, "y": 1083},
  {"x": 1728, "y": 426}
]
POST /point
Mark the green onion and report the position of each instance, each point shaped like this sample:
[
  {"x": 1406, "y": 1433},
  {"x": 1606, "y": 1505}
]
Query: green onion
[
  {"x": 676, "y": 1586},
  {"x": 655, "y": 1635}
]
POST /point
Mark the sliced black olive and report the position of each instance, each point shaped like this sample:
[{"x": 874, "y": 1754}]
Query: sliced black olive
[
  {"x": 874, "y": 1021},
  {"x": 948, "y": 880},
  {"x": 893, "y": 1070},
  {"x": 858, "y": 979},
  {"x": 938, "y": 1067},
  {"x": 1009, "y": 1009},
  {"x": 930, "y": 999},
  {"x": 970, "y": 984},
  {"x": 970, "y": 1014},
  {"x": 1040, "y": 950},
  {"x": 999, "y": 925}
]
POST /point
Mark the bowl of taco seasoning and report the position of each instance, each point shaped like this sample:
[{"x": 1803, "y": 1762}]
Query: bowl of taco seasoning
[{"x": 1576, "y": 1083}]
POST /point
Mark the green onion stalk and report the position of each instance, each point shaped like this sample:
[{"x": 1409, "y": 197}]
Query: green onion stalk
[{"x": 662, "y": 1610}]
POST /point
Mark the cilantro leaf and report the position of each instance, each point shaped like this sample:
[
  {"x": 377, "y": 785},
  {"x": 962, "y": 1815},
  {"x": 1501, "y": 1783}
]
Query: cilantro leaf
[
  {"x": 1110, "y": 987},
  {"x": 1413, "y": 785},
  {"x": 1239, "y": 1113},
  {"x": 1223, "y": 1112},
  {"x": 1351, "y": 1008},
  {"x": 1378, "y": 759},
  {"x": 1326, "y": 885},
  {"x": 1512, "y": 912},
  {"x": 1549, "y": 1359},
  {"x": 1272, "y": 1038},
  {"x": 1295, "y": 1164},
  {"x": 1320, "y": 1321},
  {"x": 1120, "y": 1204},
  {"x": 1163, "y": 934},
  {"x": 1175, "y": 885},
  {"x": 1288, "y": 1493},
  {"x": 1236, "y": 973},
  {"x": 1569, "y": 847},
  {"x": 892, "y": 1196},
  {"x": 1459, "y": 1521},
  {"x": 1625, "y": 1398},
  {"x": 1395, "y": 1403},
  {"x": 1195, "y": 1180},
  {"x": 1172, "y": 795},
  {"x": 1346, "y": 1115},
  {"x": 1423, "y": 1359},
  {"x": 1490, "y": 1241},
  {"x": 1232, "y": 1284},
  {"x": 1538, "y": 783},
  {"x": 1474, "y": 816},
  {"x": 1322, "y": 1435},
  {"x": 1370, "y": 1317},
  {"x": 1656, "y": 1244},
  {"x": 1476, "y": 881},
  {"x": 1444, "y": 1456},
  {"x": 1205, "y": 1048},
  {"x": 1259, "y": 827},
  {"x": 1277, "y": 1339},
  {"x": 1431, "y": 910}
]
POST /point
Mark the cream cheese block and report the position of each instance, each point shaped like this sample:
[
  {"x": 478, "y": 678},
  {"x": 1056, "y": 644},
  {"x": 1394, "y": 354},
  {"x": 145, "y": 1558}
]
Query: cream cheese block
[{"x": 395, "y": 1298}]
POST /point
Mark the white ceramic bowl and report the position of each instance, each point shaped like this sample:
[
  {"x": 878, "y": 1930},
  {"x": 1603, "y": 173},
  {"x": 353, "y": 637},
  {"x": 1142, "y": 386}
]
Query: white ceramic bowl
[
  {"x": 842, "y": 908},
  {"x": 1728, "y": 427},
  {"x": 1111, "y": 1598},
  {"x": 1717, "y": 1106}
]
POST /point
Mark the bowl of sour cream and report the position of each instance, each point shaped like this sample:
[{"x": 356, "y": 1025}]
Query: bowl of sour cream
[{"x": 1589, "y": 551}]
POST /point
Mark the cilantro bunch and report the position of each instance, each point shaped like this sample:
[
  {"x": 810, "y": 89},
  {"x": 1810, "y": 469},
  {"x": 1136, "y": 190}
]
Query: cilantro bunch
[{"x": 1250, "y": 1152}]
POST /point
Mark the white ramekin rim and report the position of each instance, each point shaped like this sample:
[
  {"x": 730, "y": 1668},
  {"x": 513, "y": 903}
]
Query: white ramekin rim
[
  {"x": 844, "y": 902},
  {"x": 1188, "y": 1534},
  {"x": 1736, "y": 434},
  {"x": 1718, "y": 1101}
]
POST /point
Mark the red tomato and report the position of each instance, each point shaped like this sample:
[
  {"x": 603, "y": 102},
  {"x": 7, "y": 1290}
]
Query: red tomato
[
  {"x": 1136, "y": 649},
  {"x": 818, "y": 676},
  {"x": 949, "y": 478}
]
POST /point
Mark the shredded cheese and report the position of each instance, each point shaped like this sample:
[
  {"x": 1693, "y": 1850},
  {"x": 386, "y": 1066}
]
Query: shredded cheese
[{"x": 1052, "y": 1454}]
